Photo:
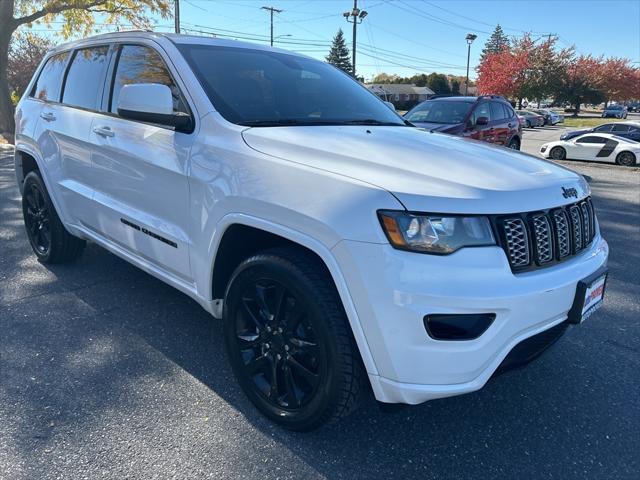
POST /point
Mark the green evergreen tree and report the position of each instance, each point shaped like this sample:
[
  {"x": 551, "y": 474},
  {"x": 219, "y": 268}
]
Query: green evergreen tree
[
  {"x": 496, "y": 42},
  {"x": 339, "y": 53}
]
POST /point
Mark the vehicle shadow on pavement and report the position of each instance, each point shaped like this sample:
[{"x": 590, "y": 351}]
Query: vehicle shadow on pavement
[{"x": 99, "y": 344}]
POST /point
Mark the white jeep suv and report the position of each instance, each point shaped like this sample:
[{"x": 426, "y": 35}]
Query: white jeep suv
[{"x": 341, "y": 246}]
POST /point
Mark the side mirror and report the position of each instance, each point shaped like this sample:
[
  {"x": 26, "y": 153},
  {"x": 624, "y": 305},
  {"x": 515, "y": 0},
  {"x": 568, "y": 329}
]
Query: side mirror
[
  {"x": 153, "y": 103},
  {"x": 481, "y": 121},
  {"x": 390, "y": 105}
]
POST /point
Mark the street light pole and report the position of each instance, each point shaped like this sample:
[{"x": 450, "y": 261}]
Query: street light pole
[
  {"x": 271, "y": 10},
  {"x": 357, "y": 15},
  {"x": 469, "y": 38}
]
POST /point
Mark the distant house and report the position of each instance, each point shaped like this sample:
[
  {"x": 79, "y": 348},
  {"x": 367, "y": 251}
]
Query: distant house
[{"x": 402, "y": 95}]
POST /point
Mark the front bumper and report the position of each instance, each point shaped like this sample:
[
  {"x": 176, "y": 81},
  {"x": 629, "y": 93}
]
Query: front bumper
[{"x": 393, "y": 290}]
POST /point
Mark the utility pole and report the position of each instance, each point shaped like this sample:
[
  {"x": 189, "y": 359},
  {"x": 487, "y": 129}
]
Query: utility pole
[
  {"x": 176, "y": 15},
  {"x": 357, "y": 16},
  {"x": 469, "y": 38},
  {"x": 271, "y": 10}
]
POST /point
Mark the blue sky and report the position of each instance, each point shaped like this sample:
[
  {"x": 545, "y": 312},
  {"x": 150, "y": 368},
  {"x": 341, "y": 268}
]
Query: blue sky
[{"x": 415, "y": 36}]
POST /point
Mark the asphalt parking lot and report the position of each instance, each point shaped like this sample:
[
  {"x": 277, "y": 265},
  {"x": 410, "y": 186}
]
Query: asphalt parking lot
[{"x": 106, "y": 372}]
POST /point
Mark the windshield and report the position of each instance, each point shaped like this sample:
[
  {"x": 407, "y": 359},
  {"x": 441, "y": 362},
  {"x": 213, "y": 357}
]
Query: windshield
[
  {"x": 434, "y": 111},
  {"x": 614, "y": 107},
  {"x": 264, "y": 88}
]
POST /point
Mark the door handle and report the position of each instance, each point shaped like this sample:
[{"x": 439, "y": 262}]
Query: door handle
[
  {"x": 48, "y": 116},
  {"x": 103, "y": 131}
]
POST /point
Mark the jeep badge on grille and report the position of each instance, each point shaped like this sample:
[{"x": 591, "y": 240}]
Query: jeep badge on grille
[{"x": 569, "y": 192}]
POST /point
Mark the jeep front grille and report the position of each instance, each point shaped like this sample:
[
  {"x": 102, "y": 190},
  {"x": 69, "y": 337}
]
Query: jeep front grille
[{"x": 536, "y": 239}]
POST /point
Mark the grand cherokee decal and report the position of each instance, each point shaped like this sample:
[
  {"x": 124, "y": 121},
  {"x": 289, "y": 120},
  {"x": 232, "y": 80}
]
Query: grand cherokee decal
[
  {"x": 148, "y": 232},
  {"x": 609, "y": 147}
]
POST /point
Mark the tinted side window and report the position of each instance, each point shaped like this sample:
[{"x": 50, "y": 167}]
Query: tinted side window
[
  {"x": 85, "y": 79},
  {"x": 591, "y": 140},
  {"x": 620, "y": 128},
  {"x": 47, "y": 87},
  {"x": 603, "y": 128},
  {"x": 497, "y": 112},
  {"x": 139, "y": 64},
  {"x": 508, "y": 111}
]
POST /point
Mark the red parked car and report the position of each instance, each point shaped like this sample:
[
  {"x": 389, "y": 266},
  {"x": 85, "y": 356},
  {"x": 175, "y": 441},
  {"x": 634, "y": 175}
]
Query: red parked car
[{"x": 490, "y": 118}]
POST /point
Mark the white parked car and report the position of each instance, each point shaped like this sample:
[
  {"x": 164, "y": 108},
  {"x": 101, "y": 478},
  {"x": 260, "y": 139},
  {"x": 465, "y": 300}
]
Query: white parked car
[
  {"x": 601, "y": 147},
  {"x": 341, "y": 247}
]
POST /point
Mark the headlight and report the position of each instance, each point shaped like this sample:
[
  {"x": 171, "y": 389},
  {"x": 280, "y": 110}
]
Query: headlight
[{"x": 435, "y": 233}]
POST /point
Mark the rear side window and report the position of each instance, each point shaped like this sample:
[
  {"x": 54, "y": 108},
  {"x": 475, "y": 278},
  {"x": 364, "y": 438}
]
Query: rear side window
[
  {"x": 620, "y": 128},
  {"x": 83, "y": 86},
  {"x": 603, "y": 128},
  {"x": 47, "y": 86},
  {"x": 139, "y": 64},
  {"x": 508, "y": 111},
  {"x": 497, "y": 112}
]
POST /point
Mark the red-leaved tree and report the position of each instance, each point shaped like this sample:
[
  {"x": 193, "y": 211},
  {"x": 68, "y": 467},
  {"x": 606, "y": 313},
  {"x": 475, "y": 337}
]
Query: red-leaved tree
[{"x": 503, "y": 73}]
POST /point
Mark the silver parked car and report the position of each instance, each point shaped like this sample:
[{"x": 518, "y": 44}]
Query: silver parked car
[{"x": 615, "y": 111}]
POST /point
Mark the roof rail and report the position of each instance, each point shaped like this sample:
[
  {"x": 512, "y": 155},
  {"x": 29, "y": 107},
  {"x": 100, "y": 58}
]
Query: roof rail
[{"x": 493, "y": 96}]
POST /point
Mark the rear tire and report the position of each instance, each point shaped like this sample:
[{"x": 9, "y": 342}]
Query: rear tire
[
  {"x": 626, "y": 159},
  {"x": 49, "y": 239},
  {"x": 288, "y": 340},
  {"x": 558, "y": 153}
]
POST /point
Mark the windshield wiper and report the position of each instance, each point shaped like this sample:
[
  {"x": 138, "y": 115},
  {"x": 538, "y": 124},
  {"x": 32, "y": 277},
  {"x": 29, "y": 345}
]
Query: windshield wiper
[
  {"x": 371, "y": 121},
  {"x": 275, "y": 123}
]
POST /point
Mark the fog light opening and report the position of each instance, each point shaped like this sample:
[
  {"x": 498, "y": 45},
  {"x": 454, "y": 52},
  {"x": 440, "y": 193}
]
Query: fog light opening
[{"x": 457, "y": 326}]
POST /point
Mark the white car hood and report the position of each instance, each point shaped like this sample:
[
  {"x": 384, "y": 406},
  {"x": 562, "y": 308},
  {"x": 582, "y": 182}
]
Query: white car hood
[{"x": 427, "y": 172}]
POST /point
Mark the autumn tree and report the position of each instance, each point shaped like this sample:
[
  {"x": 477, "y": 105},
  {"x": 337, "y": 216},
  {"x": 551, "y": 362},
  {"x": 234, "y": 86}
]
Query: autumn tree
[
  {"x": 339, "y": 53},
  {"x": 546, "y": 66},
  {"x": 78, "y": 17},
  {"x": 503, "y": 73},
  {"x": 618, "y": 79},
  {"x": 582, "y": 82},
  {"x": 496, "y": 43}
]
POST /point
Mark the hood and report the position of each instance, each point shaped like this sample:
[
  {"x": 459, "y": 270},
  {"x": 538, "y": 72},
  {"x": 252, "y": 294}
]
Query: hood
[{"x": 427, "y": 172}]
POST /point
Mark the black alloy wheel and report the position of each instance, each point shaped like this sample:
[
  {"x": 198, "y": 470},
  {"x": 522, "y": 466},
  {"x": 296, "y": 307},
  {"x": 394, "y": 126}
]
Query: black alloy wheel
[
  {"x": 280, "y": 352},
  {"x": 49, "y": 239},
  {"x": 626, "y": 159},
  {"x": 558, "y": 153},
  {"x": 288, "y": 339},
  {"x": 37, "y": 219}
]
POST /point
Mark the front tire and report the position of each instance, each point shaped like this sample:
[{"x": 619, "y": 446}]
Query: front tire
[
  {"x": 289, "y": 341},
  {"x": 558, "y": 153},
  {"x": 626, "y": 159},
  {"x": 514, "y": 144},
  {"x": 49, "y": 239}
]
